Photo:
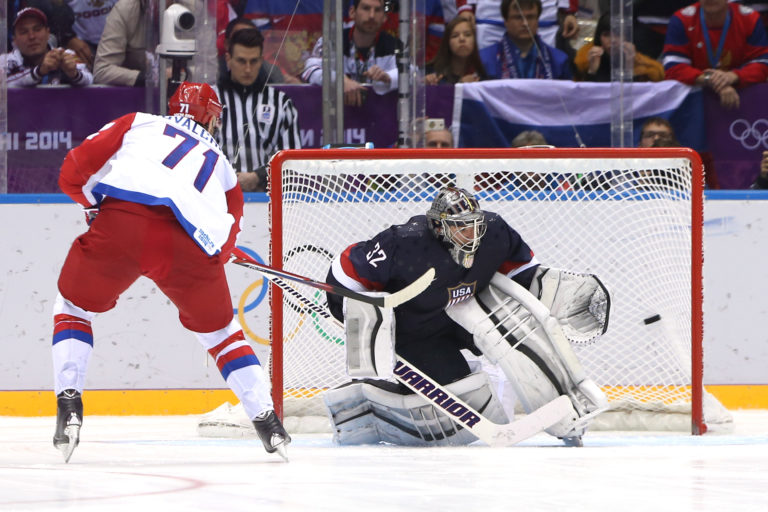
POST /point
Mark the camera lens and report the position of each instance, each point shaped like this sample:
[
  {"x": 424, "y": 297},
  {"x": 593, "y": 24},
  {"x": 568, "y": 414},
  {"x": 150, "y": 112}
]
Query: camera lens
[{"x": 186, "y": 21}]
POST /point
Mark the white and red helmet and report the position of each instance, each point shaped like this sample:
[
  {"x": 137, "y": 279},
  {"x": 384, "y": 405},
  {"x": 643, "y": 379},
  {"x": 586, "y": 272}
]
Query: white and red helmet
[{"x": 196, "y": 101}]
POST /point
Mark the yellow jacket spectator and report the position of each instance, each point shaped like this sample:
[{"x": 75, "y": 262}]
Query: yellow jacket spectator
[{"x": 593, "y": 60}]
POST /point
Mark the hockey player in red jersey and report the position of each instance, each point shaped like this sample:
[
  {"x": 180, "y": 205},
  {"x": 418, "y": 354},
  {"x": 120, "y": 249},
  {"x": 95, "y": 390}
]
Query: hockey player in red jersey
[{"x": 164, "y": 203}]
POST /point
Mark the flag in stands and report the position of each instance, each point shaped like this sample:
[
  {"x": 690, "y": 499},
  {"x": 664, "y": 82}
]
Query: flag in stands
[{"x": 493, "y": 112}]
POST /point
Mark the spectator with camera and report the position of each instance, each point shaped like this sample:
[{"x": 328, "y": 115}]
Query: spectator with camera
[
  {"x": 368, "y": 55},
  {"x": 34, "y": 62},
  {"x": 258, "y": 120},
  {"x": 61, "y": 22},
  {"x": 436, "y": 135}
]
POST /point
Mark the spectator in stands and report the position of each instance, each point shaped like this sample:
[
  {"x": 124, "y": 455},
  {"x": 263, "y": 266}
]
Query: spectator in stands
[
  {"x": 90, "y": 18},
  {"x": 533, "y": 180},
  {"x": 258, "y": 120},
  {"x": 369, "y": 55},
  {"x": 762, "y": 179},
  {"x": 557, "y": 23},
  {"x": 529, "y": 138},
  {"x": 121, "y": 57},
  {"x": 649, "y": 24},
  {"x": 593, "y": 60},
  {"x": 60, "y": 22},
  {"x": 657, "y": 132},
  {"x": 34, "y": 62},
  {"x": 436, "y": 135},
  {"x": 435, "y": 14},
  {"x": 521, "y": 53},
  {"x": 457, "y": 59},
  {"x": 719, "y": 45}
]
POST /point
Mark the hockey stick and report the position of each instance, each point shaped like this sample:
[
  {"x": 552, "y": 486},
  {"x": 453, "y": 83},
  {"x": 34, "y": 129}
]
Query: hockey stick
[
  {"x": 387, "y": 301},
  {"x": 493, "y": 434}
]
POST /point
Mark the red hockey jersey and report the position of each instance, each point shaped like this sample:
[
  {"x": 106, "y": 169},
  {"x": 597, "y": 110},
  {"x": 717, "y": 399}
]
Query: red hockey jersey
[
  {"x": 744, "y": 50},
  {"x": 153, "y": 160}
]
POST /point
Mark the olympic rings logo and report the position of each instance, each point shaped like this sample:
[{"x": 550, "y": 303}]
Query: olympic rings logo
[
  {"x": 750, "y": 136},
  {"x": 245, "y": 307}
]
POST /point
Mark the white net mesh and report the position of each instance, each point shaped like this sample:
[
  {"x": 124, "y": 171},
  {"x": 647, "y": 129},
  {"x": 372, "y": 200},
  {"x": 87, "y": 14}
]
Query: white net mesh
[{"x": 624, "y": 216}]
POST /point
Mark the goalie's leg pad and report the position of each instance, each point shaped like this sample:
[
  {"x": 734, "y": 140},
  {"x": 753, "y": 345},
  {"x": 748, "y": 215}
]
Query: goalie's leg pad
[
  {"x": 536, "y": 357},
  {"x": 377, "y": 411}
]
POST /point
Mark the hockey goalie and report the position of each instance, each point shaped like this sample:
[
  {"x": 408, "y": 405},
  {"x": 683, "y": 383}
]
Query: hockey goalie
[
  {"x": 490, "y": 298},
  {"x": 491, "y": 304}
]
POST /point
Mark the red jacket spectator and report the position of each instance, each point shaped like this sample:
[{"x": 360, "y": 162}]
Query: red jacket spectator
[{"x": 744, "y": 50}]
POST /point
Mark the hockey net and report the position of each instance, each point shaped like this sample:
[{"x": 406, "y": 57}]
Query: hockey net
[{"x": 632, "y": 217}]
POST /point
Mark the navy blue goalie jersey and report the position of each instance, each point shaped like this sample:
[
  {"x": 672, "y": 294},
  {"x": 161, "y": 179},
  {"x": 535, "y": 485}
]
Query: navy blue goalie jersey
[{"x": 397, "y": 256}]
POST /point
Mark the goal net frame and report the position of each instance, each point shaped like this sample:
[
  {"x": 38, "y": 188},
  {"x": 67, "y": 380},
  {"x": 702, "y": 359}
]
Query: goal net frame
[{"x": 491, "y": 161}]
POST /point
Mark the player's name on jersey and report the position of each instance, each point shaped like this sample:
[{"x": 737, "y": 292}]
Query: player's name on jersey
[
  {"x": 195, "y": 128},
  {"x": 36, "y": 141}
]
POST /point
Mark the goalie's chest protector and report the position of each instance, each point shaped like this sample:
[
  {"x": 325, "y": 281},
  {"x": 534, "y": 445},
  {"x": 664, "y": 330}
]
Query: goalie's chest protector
[{"x": 501, "y": 249}]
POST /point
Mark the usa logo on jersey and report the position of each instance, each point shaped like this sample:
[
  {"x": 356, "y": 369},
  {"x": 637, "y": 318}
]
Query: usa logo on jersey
[{"x": 462, "y": 291}]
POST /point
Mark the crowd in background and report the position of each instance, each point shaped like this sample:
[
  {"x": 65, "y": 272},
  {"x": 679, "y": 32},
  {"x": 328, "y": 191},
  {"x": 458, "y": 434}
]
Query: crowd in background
[{"x": 714, "y": 44}]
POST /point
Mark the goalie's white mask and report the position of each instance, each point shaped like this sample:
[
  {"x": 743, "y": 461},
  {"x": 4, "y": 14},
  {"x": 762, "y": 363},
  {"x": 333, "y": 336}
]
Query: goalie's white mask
[{"x": 455, "y": 217}]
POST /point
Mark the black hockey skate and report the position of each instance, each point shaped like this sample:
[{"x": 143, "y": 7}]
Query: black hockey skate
[
  {"x": 272, "y": 433},
  {"x": 69, "y": 419}
]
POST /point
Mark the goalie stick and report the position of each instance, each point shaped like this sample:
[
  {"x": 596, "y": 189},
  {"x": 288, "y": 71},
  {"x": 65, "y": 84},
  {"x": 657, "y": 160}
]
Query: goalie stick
[
  {"x": 493, "y": 434},
  {"x": 463, "y": 415},
  {"x": 387, "y": 301}
]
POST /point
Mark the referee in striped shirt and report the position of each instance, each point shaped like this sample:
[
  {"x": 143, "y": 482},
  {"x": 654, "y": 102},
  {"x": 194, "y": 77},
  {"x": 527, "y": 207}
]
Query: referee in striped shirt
[{"x": 258, "y": 120}]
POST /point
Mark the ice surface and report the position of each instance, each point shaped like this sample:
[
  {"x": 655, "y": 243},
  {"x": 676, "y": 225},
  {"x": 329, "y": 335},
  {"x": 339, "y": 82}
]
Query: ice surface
[{"x": 159, "y": 463}]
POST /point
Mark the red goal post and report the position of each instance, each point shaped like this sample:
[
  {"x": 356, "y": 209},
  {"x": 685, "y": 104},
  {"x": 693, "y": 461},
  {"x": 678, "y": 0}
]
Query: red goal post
[{"x": 633, "y": 217}]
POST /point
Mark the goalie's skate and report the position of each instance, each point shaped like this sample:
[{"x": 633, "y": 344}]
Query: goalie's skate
[
  {"x": 589, "y": 401},
  {"x": 272, "y": 434},
  {"x": 69, "y": 419}
]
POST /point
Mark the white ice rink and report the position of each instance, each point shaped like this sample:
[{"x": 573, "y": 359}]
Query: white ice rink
[{"x": 143, "y": 464}]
